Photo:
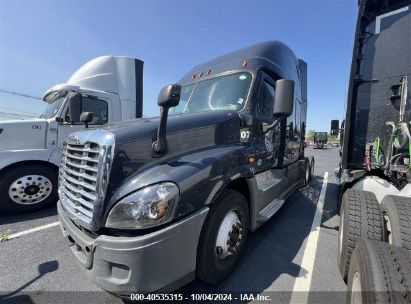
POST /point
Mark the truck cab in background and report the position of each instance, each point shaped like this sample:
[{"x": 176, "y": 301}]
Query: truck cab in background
[
  {"x": 110, "y": 87},
  {"x": 374, "y": 248},
  {"x": 320, "y": 140}
]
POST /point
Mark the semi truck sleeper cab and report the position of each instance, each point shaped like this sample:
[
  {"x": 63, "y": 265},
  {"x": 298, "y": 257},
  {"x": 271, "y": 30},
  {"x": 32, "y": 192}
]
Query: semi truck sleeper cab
[
  {"x": 110, "y": 87},
  {"x": 154, "y": 203}
]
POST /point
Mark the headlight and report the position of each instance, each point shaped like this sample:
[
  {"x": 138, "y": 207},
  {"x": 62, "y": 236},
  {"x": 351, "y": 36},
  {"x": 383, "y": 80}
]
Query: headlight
[{"x": 150, "y": 206}]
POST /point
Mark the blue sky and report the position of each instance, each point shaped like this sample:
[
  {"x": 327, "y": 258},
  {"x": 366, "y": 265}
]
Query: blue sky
[{"x": 43, "y": 42}]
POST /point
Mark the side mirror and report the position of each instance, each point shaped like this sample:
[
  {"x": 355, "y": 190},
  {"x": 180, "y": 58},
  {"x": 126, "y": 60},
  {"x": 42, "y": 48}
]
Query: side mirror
[
  {"x": 86, "y": 118},
  {"x": 169, "y": 96},
  {"x": 75, "y": 106},
  {"x": 335, "y": 127},
  {"x": 284, "y": 98}
]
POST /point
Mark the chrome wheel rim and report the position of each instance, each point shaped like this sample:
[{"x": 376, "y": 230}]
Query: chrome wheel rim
[
  {"x": 30, "y": 189},
  {"x": 356, "y": 292},
  {"x": 229, "y": 236}
]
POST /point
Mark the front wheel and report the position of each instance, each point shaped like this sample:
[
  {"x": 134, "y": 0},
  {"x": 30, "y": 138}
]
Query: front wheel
[
  {"x": 223, "y": 237},
  {"x": 27, "y": 188}
]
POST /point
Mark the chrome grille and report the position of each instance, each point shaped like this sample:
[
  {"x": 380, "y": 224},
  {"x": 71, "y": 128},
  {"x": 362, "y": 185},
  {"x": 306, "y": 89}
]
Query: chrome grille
[
  {"x": 84, "y": 173},
  {"x": 78, "y": 177}
]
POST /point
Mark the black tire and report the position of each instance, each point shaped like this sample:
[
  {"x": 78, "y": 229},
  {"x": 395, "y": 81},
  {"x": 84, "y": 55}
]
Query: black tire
[
  {"x": 381, "y": 271},
  {"x": 8, "y": 177},
  {"x": 210, "y": 269},
  {"x": 360, "y": 217},
  {"x": 397, "y": 210}
]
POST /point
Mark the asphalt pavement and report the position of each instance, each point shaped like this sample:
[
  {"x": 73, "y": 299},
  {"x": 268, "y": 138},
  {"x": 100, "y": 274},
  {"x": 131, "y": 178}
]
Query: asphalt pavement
[{"x": 283, "y": 259}]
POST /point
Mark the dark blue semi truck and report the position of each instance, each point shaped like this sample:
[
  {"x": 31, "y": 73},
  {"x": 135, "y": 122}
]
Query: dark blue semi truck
[{"x": 151, "y": 204}]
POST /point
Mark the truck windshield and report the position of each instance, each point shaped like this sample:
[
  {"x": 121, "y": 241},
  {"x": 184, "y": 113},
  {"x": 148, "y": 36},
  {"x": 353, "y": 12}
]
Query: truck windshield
[
  {"x": 228, "y": 92},
  {"x": 53, "y": 107}
]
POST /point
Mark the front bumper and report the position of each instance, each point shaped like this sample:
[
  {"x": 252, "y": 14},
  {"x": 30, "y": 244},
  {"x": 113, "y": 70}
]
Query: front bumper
[{"x": 161, "y": 260}]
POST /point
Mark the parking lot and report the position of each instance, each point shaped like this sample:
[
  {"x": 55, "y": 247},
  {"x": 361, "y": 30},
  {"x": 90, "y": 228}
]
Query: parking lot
[{"x": 295, "y": 251}]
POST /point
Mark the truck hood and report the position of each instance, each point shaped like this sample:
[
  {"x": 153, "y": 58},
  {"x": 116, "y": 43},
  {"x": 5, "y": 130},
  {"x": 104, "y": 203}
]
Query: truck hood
[
  {"x": 23, "y": 134},
  {"x": 186, "y": 133}
]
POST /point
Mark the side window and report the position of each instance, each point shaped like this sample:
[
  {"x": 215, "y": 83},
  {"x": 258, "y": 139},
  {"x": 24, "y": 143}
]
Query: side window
[
  {"x": 98, "y": 107},
  {"x": 264, "y": 109}
]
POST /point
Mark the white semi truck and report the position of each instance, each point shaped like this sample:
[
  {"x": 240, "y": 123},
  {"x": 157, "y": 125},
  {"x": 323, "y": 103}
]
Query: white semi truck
[{"x": 30, "y": 150}]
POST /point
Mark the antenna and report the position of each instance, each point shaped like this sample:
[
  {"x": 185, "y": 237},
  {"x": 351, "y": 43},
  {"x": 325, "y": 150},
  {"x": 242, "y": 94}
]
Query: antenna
[{"x": 19, "y": 94}]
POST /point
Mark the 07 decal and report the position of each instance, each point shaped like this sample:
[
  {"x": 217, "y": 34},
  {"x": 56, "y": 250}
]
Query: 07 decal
[{"x": 245, "y": 135}]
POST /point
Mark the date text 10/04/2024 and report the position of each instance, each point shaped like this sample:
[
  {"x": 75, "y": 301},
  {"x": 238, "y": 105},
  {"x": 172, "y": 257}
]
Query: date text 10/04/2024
[{"x": 200, "y": 297}]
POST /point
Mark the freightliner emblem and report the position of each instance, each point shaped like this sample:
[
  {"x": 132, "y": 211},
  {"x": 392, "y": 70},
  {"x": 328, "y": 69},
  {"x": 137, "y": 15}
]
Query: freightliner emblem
[{"x": 74, "y": 139}]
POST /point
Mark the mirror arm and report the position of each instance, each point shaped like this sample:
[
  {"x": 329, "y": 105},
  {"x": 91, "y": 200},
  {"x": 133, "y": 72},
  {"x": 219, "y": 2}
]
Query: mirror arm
[
  {"x": 59, "y": 120},
  {"x": 160, "y": 145},
  {"x": 267, "y": 128}
]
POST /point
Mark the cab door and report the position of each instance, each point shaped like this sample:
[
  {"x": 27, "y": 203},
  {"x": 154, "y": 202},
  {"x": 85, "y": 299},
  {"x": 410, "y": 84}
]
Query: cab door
[
  {"x": 100, "y": 108},
  {"x": 266, "y": 143}
]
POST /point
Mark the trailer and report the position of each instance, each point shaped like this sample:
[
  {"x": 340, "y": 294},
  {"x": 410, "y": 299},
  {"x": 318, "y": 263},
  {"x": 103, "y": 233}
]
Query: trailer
[
  {"x": 174, "y": 197},
  {"x": 110, "y": 87},
  {"x": 374, "y": 248}
]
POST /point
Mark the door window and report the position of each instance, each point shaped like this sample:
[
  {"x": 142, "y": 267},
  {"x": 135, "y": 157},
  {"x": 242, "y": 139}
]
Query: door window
[
  {"x": 98, "y": 107},
  {"x": 264, "y": 109}
]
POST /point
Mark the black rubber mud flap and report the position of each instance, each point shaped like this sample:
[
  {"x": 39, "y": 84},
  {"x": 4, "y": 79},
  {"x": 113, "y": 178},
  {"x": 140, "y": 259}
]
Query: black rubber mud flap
[
  {"x": 397, "y": 210},
  {"x": 360, "y": 217},
  {"x": 379, "y": 273}
]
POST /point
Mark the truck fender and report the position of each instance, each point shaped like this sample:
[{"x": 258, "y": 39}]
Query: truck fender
[
  {"x": 233, "y": 182},
  {"x": 201, "y": 176},
  {"x": 377, "y": 185},
  {"x": 8, "y": 158}
]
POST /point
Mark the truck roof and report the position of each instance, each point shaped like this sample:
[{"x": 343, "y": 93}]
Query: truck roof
[
  {"x": 273, "y": 56},
  {"x": 379, "y": 5}
]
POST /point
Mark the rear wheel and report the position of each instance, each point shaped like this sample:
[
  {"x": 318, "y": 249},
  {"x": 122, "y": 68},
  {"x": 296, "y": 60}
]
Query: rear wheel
[
  {"x": 27, "y": 188},
  {"x": 223, "y": 237},
  {"x": 397, "y": 215},
  {"x": 379, "y": 273},
  {"x": 360, "y": 217}
]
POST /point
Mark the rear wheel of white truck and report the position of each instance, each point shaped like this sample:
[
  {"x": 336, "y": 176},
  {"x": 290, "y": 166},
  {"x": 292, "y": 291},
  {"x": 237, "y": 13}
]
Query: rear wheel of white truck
[
  {"x": 397, "y": 216},
  {"x": 223, "y": 237},
  {"x": 27, "y": 188},
  {"x": 360, "y": 217},
  {"x": 379, "y": 273}
]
